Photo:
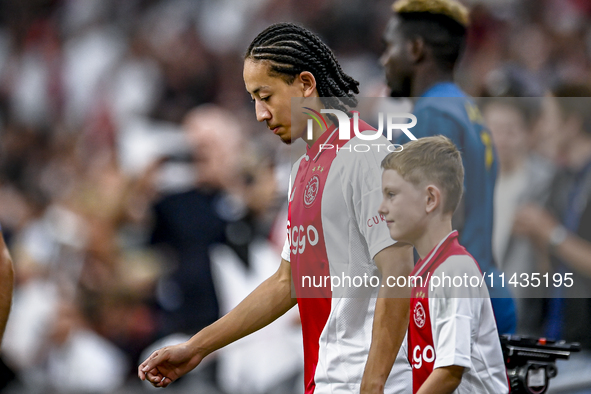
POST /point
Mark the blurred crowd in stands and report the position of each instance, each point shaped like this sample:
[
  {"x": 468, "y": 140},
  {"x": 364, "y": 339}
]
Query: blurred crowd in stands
[{"x": 140, "y": 198}]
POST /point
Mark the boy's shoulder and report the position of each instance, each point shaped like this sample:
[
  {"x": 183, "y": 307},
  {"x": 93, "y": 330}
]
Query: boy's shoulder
[
  {"x": 459, "y": 264},
  {"x": 459, "y": 276}
]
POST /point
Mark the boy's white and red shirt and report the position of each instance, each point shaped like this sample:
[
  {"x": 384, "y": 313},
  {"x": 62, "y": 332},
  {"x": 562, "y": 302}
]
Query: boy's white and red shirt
[
  {"x": 334, "y": 230},
  {"x": 453, "y": 324}
]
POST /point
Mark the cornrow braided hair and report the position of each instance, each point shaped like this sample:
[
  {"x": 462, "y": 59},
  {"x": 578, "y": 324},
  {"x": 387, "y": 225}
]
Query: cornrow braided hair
[{"x": 291, "y": 49}]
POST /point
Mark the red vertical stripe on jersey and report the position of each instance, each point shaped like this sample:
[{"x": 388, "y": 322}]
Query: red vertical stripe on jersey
[
  {"x": 421, "y": 348},
  {"x": 308, "y": 255}
]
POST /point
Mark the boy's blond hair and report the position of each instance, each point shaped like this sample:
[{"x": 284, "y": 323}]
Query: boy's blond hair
[{"x": 431, "y": 160}]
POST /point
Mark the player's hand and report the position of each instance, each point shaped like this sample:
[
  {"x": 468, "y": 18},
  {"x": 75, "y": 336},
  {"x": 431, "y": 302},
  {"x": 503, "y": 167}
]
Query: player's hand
[
  {"x": 166, "y": 365},
  {"x": 534, "y": 222}
]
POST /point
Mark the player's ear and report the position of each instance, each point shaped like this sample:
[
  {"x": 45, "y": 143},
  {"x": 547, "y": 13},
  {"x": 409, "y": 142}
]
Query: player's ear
[
  {"x": 416, "y": 49},
  {"x": 308, "y": 83},
  {"x": 433, "y": 198}
]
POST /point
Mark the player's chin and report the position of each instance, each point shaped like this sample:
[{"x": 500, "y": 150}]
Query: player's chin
[
  {"x": 395, "y": 233},
  {"x": 286, "y": 139},
  {"x": 398, "y": 88},
  {"x": 396, "y": 92}
]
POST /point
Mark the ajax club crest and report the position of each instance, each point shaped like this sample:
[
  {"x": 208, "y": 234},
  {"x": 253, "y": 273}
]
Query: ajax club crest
[
  {"x": 419, "y": 315},
  {"x": 311, "y": 190}
]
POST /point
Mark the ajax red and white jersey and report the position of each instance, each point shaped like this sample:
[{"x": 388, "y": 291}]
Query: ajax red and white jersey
[
  {"x": 452, "y": 322},
  {"x": 334, "y": 231}
]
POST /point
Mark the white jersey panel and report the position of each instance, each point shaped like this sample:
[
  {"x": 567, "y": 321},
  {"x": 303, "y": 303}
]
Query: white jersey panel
[{"x": 354, "y": 233}]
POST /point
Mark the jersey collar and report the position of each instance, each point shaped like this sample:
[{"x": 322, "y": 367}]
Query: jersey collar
[
  {"x": 424, "y": 264},
  {"x": 444, "y": 89},
  {"x": 328, "y": 137}
]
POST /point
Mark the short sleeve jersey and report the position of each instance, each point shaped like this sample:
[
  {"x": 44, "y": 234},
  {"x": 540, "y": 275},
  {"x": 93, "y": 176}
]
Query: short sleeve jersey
[
  {"x": 453, "y": 324},
  {"x": 334, "y": 231}
]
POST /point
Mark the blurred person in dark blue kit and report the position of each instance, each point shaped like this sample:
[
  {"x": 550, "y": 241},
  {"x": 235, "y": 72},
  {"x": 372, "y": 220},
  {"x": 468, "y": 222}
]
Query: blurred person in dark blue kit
[{"x": 423, "y": 43}]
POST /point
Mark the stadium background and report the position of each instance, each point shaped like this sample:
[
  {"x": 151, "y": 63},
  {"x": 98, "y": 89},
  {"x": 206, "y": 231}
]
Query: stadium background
[{"x": 93, "y": 99}]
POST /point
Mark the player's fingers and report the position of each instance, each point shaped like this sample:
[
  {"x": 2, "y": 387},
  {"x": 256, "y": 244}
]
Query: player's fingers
[
  {"x": 154, "y": 376},
  {"x": 162, "y": 382},
  {"x": 140, "y": 371},
  {"x": 165, "y": 382},
  {"x": 153, "y": 361}
]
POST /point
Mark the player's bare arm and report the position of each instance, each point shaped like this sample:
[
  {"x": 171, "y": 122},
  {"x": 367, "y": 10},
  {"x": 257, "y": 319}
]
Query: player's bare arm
[
  {"x": 442, "y": 380},
  {"x": 265, "y": 304},
  {"x": 6, "y": 285},
  {"x": 390, "y": 319},
  {"x": 538, "y": 224}
]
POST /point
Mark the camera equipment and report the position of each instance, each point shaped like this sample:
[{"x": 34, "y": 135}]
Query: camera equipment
[{"x": 531, "y": 361}]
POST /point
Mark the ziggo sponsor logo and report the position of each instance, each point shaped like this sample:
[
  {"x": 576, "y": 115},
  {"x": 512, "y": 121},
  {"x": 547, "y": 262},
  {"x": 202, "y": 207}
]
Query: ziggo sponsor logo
[
  {"x": 418, "y": 356},
  {"x": 297, "y": 236}
]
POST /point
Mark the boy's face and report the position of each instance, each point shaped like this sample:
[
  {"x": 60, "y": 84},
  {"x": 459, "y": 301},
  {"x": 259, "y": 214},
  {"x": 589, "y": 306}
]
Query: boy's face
[
  {"x": 272, "y": 98},
  {"x": 403, "y": 206}
]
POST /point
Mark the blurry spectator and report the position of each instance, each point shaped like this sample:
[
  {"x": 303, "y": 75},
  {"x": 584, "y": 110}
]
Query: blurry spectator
[
  {"x": 523, "y": 177},
  {"x": 564, "y": 228},
  {"x": 188, "y": 68},
  {"x": 63, "y": 353},
  {"x": 188, "y": 223},
  {"x": 78, "y": 359}
]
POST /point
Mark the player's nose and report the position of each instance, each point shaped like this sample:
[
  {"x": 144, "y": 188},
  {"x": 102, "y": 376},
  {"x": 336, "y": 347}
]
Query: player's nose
[
  {"x": 262, "y": 112},
  {"x": 384, "y": 59},
  {"x": 382, "y": 210}
]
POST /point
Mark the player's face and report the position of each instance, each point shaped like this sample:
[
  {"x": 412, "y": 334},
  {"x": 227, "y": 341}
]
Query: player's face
[
  {"x": 403, "y": 207},
  {"x": 509, "y": 132},
  {"x": 272, "y": 99},
  {"x": 396, "y": 60}
]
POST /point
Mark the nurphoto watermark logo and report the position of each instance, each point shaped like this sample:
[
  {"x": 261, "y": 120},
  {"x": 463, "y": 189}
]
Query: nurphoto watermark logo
[{"x": 344, "y": 124}]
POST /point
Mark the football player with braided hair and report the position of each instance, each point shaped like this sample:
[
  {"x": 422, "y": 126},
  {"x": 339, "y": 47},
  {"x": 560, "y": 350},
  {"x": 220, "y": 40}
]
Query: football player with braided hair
[{"x": 290, "y": 49}]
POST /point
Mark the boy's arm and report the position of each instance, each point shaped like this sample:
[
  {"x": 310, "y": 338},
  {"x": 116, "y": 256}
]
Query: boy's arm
[
  {"x": 442, "y": 380},
  {"x": 266, "y": 303},
  {"x": 390, "y": 318}
]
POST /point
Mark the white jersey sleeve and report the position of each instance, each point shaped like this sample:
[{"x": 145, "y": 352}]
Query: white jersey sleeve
[
  {"x": 464, "y": 328},
  {"x": 455, "y": 311},
  {"x": 285, "y": 253}
]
